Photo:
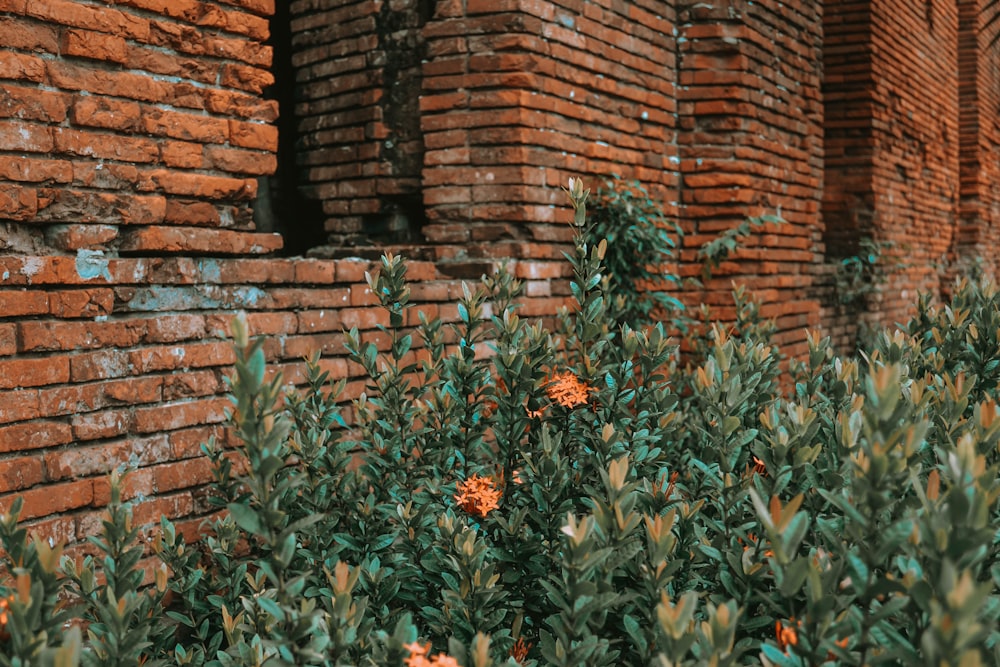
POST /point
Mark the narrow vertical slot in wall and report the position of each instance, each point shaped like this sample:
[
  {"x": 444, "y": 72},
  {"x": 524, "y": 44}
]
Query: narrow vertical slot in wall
[{"x": 281, "y": 205}]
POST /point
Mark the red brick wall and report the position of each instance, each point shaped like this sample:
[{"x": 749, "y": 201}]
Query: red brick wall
[
  {"x": 750, "y": 143},
  {"x": 128, "y": 122},
  {"x": 915, "y": 164},
  {"x": 519, "y": 95},
  {"x": 979, "y": 132}
]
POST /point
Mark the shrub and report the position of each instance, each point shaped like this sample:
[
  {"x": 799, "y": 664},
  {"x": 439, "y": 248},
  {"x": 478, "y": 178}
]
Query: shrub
[{"x": 506, "y": 496}]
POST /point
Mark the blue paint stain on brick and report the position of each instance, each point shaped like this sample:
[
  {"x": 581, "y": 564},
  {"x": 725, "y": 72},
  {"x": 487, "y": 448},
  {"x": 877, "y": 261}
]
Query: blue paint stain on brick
[
  {"x": 202, "y": 297},
  {"x": 91, "y": 264},
  {"x": 209, "y": 270}
]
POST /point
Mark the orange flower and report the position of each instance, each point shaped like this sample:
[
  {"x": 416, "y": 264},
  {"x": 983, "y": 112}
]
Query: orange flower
[
  {"x": 568, "y": 390},
  {"x": 519, "y": 651},
  {"x": 478, "y": 495},
  {"x": 755, "y": 467},
  {"x": 418, "y": 654},
  {"x": 842, "y": 643},
  {"x": 418, "y": 657},
  {"x": 786, "y": 635},
  {"x": 4, "y": 617}
]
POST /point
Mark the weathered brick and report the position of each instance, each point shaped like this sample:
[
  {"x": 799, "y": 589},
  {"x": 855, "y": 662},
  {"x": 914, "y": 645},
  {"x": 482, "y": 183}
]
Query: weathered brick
[
  {"x": 187, "y": 127},
  {"x": 17, "y": 373},
  {"x": 107, "y": 113},
  {"x": 94, "y": 45},
  {"x": 52, "y": 499},
  {"x": 35, "y": 170},
  {"x": 102, "y": 19},
  {"x": 104, "y": 146},
  {"x": 14, "y": 65},
  {"x": 34, "y": 435},
  {"x": 16, "y": 33},
  {"x": 33, "y": 104},
  {"x": 240, "y": 162},
  {"x": 253, "y": 135},
  {"x": 17, "y": 136},
  {"x": 194, "y": 240}
]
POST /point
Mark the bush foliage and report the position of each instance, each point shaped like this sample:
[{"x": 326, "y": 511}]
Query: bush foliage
[{"x": 513, "y": 496}]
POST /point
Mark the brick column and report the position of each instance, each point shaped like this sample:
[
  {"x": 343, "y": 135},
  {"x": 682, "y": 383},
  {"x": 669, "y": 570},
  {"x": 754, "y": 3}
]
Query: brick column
[{"x": 751, "y": 144}]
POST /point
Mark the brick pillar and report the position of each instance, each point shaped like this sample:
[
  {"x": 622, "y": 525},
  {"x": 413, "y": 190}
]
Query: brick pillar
[
  {"x": 915, "y": 165},
  {"x": 978, "y": 232},
  {"x": 751, "y": 144}
]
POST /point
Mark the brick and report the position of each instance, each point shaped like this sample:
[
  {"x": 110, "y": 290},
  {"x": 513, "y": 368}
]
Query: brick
[
  {"x": 192, "y": 213},
  {"x": 31, "y": 138},
  {"x": 251, "y": 79},
  {"x": 187, "y": 127},
  {"x": 18, "y": 202},
  {"x": 71, "y": 76},
  {"x": 240, "y": 162},
  {"x": 16, "y": 33},
  {"x": 94, "y": 45},
  {"x": 97, "y": 18},
  {"x": 103, "y": 458},
  {"x": 33, "y": 104},
  {"x": 63, "y": 205},
  {"x": 104, "y": 146},
  {"x": 34, "y": 435},
  {"x": 8, "y": 339},
  {"x": 20, "y": 473},
  {"x": 106, "y": 113},
  {"x": 85, "y": 303},
  {"x": 229, "y": 103},
  {"x": 17, "y": 373},
  {"x": 15, "y": 65},
  {"x": 18, "y": 303},
  {"x": 77, "y": 237},
  {"x": 199, "y": 185},
  {"x": 52, "y": 499},
  {"x": 101, "y": 425},
  {"x": 253, "y": 135},
  {"x": 181, "y": 155},
  {"x": 172, "y": 416},
  {"x": 198, "y": 240},
  {"x": 35, "y": 170}
]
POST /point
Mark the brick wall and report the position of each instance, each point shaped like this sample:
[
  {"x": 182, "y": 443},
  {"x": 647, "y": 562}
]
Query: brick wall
[
  {"x": 979, "y": 131},
  {"x": 133, "y": 134},
  {"x": 750, "y": 143},
  {"x": 915, "y": 165},
  {"x": 518, "y": 95}
]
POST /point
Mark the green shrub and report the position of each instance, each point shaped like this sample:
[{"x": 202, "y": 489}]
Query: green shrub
[
  {"x": 570, "y": 500},
  {"x": 640, "y": 246}
]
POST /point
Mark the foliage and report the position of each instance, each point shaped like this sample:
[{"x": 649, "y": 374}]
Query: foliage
[
  {"x": 858, "y": 276},
  {"x": 719, "y": 249},
  {"x": 506, "y": 496},
  {"x": 640, "y": 244}
]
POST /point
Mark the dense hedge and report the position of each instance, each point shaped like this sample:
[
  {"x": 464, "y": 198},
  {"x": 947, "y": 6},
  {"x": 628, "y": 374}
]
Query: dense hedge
[{"x": 514, "y": 495}]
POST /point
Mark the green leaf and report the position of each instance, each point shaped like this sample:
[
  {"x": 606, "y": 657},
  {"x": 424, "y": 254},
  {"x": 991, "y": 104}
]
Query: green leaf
[{"x": 246, "y": 518}]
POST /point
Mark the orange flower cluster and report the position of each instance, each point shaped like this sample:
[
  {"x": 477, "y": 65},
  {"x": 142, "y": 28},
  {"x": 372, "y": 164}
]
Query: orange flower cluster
[
  {"x": 478, "y": 495},
  {"x": 519, "y": 651},
  {"x": 568, "y": 390},
  {"x": 787, "y": 635},
  {"x": 5, "y": 617},
  {"x": 758, "y": 467},
  {"x": 418, "y": 657}
]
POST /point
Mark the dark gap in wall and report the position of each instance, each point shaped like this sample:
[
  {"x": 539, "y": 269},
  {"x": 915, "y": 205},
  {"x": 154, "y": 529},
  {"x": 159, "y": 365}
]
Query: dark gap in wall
[{"x": 280, "y": 206}]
